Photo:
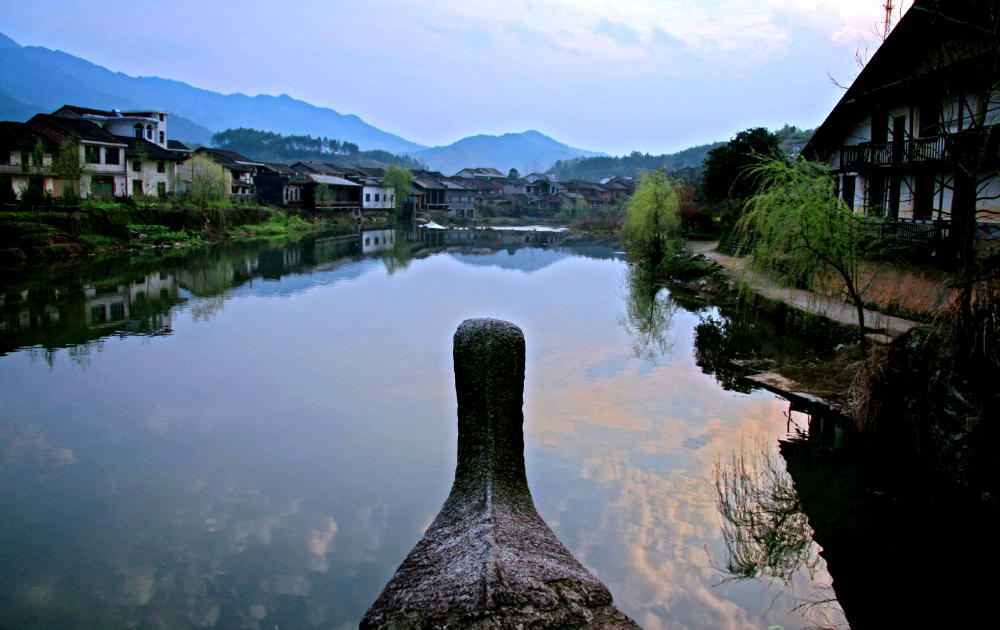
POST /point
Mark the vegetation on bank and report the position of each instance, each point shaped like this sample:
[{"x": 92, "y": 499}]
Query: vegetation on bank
[
  {"x": 62, "y": 229},
  {"x": 928, "y": 398}
]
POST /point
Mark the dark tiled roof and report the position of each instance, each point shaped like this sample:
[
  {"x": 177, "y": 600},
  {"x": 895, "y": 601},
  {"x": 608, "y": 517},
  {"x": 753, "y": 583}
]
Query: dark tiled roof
[
  {"x": 321, "y": 168},
  {"x": 902, "y": 62},
  {"x": 140, "y": 147},
  {"x": 490, "y": 172},
  {"x": 75, "y": 127},
  {"x": 282, "y": 169},
  {"x": 177, "y": 145},
  {"x": 90, "y": 111},
  {"x": 18, "y": 135},
  {"x": 81, "y": 111},
  {"x": 226, "y": 157}
]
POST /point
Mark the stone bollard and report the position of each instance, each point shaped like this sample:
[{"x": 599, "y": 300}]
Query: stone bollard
[{"x": 489, "y": 560}]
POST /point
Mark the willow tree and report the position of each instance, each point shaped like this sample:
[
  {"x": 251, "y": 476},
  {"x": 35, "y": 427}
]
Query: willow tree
[
  {"x": 653, "y": 218},
  {"x": 400, "y": 180},
  {"x": 797, "y": 226}
]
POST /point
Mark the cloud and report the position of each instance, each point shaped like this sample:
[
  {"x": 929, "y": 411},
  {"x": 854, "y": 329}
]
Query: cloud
[
  {"x": 472, "y": 37},
  {"x": 621, "y": 33},
  {"x": 663, "y": 39}
]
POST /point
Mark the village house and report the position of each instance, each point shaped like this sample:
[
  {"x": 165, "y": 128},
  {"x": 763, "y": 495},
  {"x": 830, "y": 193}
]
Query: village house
[
  {"x": 375, "y": 196},
  {"x": 149, "y": 125},
  {"x": 484, "y": 173},
  {"x": 25, "y": 161},
  {"x": 151, "y": 168},
  {"x": 239, "y": 171},
  {"x": 101, "y": 155},
  {"x": 119, "y": 153},
  {"x": 329, "y": 194},
  {"x": 280, "y": 185},
  {"x": 331, "y": 187},
  {"x": 542, "y": 184},
  {"x": 430, "y": 191},
  {"x": 912, "y": 139},
  {"x": 459, "y": 198}
]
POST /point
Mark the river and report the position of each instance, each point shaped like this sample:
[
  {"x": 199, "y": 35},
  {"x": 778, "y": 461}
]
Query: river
[{"x": 255, "y": 436}]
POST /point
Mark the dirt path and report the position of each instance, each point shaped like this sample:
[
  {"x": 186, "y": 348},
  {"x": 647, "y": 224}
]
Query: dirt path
[{"x": 887, "y": 326}]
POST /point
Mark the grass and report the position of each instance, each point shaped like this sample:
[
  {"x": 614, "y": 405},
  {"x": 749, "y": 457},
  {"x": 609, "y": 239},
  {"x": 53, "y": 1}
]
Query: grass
[
  {"x": 100, "y": 241},
  {"x": 157, "y": 234},
  {"x": 281, "y": 224}
]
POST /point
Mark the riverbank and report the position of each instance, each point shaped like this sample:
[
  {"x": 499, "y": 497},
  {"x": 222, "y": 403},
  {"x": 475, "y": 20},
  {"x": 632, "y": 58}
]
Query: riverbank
[
  {"x": 825, "y": 380},
  {"x": 884, "y": 327},
  {"x": 921, "y": 397},
  {"x": 96, "y": 228}
]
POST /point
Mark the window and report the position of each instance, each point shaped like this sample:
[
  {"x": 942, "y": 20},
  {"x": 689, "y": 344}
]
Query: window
[
  {"x": 117, "y": 311},
  {"x": 376, "y": 196},
  {"x": 368, "y": 196},
  {"x": 136, "y": 187},
  {"x": 149, "y": 132},
  {"x": 376, "y": 240},
  {"x": 161, "y": 167},
  {"x": 112, "y": 156},
  {"x": 137, "y": 166},
  {"x": 368, "y": 241},
  {"x": 137, "y": 130},
  {"x": 162, "y": 137},
  {"x": 92, "y": 155},
  {"x": 161, "y": 189}
]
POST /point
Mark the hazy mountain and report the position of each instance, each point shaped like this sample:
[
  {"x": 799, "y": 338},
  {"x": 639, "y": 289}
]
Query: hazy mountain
[
  {"x": 48, "y": 79},
  {"x": 528, "y": 152},
  {"x": 36, "y": 79},
  {"x": 12, "y": 108}
]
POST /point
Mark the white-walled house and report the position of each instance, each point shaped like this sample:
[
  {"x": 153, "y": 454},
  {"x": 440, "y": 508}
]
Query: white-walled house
[
  {"x": 25, "y": 159},
  {"x": 151, "y": 168},
  {"x": 377, "y": 197},
  {"x": 912, "y": 138},
  {"x": 101, "y": 155},
  {"x": 148, "y": 125}
]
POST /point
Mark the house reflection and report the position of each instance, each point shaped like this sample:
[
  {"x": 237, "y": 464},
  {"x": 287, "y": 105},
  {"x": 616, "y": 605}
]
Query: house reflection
[
  {"x": 377, "y": 241},
  {"x": 77, "y": 314}
]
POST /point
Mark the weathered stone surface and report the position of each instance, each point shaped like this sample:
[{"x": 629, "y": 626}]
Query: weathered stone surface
[{"x": 489, "y": 560}]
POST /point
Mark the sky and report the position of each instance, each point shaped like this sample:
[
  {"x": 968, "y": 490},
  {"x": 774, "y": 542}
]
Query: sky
[{"x": 648, "y": 75}]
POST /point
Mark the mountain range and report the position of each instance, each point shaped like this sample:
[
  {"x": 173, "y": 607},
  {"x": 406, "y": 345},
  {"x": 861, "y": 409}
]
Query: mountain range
[{"x": 35, "y": 79}]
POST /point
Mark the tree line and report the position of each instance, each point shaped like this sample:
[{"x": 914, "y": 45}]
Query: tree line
[
  {"x": 688, "y": 163},
  {"x": 268, "y": 146}
]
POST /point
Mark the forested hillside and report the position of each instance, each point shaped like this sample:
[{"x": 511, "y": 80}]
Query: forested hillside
[
  {"x": 632, "y": 165},
  {"x": 267, "y": 146},
  {"x": 791, "y": 140}
]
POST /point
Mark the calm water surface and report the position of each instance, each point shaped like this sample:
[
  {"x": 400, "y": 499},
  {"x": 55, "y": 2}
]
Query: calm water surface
[{"x": 256, "y": 437}]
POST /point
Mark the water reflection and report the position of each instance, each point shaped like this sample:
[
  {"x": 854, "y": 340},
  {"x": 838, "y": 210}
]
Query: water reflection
[
  {"x": 270, "y": 461},
  {"x": 649, "y": 314},
  {"x": 766, "y": 532}
]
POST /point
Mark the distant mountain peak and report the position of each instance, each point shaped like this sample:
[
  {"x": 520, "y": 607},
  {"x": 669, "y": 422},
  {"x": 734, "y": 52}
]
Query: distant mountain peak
[
  {"x": 527, "y": 151},
  {"x": 48, "y": 79},
  {"x": 6, "y": 42}
]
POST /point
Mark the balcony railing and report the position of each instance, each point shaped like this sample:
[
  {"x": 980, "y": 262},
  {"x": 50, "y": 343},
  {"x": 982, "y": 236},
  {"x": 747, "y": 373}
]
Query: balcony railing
[
  {"x": 337, "y": 205},
  {"x": 25, "y": 169},
  {"x": 906, "y": 151}
]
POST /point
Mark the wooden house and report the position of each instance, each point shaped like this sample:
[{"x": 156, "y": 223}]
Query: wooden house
[{"x": 915, "y": 137}]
